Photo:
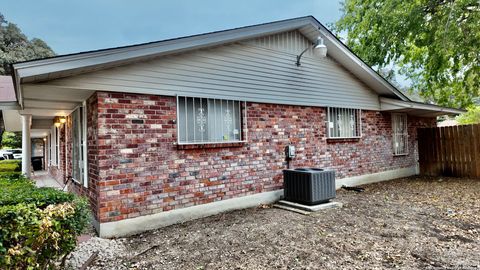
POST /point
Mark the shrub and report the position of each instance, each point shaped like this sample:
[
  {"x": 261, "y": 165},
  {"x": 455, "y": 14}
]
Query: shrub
[
  {"x": 38, "y": 225},
  {"x": 22, "y": 190},
  {"x": 10, "y": 175},
  {"x": 10, "y": 165}
]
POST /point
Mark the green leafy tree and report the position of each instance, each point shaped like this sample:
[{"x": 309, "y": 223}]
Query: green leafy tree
[
  {"x": 472, "y": 116},
  {"x": 11, "y": 140},
  {"x": 16, "y": 47},
  {"x": 435, "y": 43}
]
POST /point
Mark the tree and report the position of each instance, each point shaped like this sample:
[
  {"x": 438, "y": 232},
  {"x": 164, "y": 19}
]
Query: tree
[
  {"x": 435, "y": 43},
  {"x": 472, "y": 116},
  {"x": 16, "y": 47},
  {"x": 11, "y": 140}
]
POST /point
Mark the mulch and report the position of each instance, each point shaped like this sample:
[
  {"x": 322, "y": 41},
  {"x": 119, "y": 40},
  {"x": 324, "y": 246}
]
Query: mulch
[{"x": 410, "y": 223}]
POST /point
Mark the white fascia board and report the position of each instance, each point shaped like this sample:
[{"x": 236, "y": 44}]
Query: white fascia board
[
  {"x": 387, "y": 104},
  {"x": 11, "y": 105}
]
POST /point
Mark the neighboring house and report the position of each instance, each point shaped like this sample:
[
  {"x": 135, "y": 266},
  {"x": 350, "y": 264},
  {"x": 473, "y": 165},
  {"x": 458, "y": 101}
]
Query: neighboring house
[
  {"x": 447, "y": 123},
  {"x": 167, "y": 131},
  {"x": 7, "y": 98}
]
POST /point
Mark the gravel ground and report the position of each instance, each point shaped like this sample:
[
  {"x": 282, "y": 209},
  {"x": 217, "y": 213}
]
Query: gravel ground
[{"x": 413, "y": 223}]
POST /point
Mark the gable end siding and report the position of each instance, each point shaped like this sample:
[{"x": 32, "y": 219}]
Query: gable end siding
[{"x": 260, "y": 70}]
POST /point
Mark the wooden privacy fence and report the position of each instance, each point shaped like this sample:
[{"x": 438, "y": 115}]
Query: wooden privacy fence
[{"x": 450, "y": 151}]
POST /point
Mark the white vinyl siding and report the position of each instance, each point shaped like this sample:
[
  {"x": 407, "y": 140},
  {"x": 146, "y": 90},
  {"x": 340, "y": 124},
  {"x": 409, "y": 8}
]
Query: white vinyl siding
[
  {"x": 203, "y": 120},
  {"x": 400, "y": 134},
  {"x": 344, "y": 123},
  {"x": 239, "y": 71}
]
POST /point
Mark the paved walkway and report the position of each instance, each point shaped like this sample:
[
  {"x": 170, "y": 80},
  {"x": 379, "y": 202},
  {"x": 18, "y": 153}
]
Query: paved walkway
[{"x": 42, "y": 179}]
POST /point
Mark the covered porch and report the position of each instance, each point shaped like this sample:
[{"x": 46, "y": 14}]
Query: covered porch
[
  {"x": 40, "y": 113},
  {"x": 43, "y": 179}
]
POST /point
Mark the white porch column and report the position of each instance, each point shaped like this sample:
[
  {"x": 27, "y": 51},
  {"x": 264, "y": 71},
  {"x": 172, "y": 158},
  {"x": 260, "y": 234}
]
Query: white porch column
[{"x": 26, "y": 145}]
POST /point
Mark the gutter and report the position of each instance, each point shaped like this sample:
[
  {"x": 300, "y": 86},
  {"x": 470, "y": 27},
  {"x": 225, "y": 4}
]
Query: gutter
[
  {"x": 419, "y": 106},
  {"x": 16, "y": 86}
]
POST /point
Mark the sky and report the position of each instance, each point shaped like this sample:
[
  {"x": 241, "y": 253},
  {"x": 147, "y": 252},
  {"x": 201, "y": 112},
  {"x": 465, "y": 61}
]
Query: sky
[{"x": 69, "y": 26}]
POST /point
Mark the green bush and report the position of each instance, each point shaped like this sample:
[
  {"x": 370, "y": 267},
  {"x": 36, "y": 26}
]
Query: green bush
[
  {"x": 38, "y": 226},
  {"x": 22, "y": 190},
  {"x": 10, "y": 165},
  {"x": 10, "y": 175}
]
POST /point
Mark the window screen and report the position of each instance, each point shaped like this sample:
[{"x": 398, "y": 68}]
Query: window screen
[
  {"x": 207, "y": 120},
  {"x": 400, "y": 134},
  {"x": 78, "y": 145},
  {"x": 344, "y": 123}
]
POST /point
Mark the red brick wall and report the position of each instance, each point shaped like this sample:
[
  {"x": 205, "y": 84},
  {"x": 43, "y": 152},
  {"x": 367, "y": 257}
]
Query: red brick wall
[
  {"x": 374, "y": 151},
  {"x": 139, "y": 169},
  {"x": 63, "y": 172},
  {"x": 92, "y": 154}
]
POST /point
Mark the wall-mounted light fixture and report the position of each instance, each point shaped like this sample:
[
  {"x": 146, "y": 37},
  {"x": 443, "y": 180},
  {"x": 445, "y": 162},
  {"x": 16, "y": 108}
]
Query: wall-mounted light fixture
[
  {"x": 318, "y": 46},
  {"x": 59, "y": 120}
]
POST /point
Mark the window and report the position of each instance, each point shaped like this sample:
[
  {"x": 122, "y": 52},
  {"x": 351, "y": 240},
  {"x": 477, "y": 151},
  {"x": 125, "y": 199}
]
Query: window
[
  {"x": 400, "y": 134},
  {"x": 79, "y": 146},
  {"x": 49, "y": 150},
  {"x": 54, "y": 146},
  {"x": 207, "y": 120},
  {"x": 344, "y": 123}
]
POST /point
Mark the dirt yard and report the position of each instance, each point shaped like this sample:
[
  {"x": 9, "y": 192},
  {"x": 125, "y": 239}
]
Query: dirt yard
[{"x": 415, "y": 223}]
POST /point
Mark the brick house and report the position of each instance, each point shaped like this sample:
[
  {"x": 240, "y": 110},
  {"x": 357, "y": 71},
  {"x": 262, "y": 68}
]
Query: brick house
[{"x": 162, "y": 132}]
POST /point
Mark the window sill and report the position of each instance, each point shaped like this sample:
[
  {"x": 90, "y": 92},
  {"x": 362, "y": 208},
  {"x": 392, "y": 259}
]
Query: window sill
[
  {"x": 400, "y": 155},
  {"x": 344, "y": 139},
  {"x": 199, "y": 145},
  {"x": 75, "y": 181}
]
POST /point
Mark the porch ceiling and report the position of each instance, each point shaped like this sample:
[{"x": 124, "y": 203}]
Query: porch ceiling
[
  {"x": 41, "y": 100},
  {"x": 40, "y": 124},
  {"x": 44, "y": 104}
]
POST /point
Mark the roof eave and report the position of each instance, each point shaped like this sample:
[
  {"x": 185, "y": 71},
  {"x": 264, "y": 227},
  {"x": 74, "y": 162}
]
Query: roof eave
[
  {"x": 56, "y": 67},
  {"x": 366, "y": 68},
  {"x": 113, "y": 57},
  {"x": 387, "y": 104}
]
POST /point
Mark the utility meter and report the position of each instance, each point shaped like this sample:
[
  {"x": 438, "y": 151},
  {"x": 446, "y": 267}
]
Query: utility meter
[{"x": 290, "y": 151}]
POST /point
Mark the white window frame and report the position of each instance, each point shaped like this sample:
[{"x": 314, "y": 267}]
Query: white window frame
[
  {"x": 54, "y": 146},
  {"x": 57, "y": 146},
  {"x": 79, "y": 127},
  {"x": 239, "y": 105},
  {"x": 48, "y": 150},
  {"x": 396, "y": 134},
  {"x": 333, "y": 133}
]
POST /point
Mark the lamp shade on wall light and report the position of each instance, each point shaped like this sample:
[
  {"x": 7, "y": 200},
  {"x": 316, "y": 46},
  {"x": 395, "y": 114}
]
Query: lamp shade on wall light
[
  {"x": 59, "y": 120},
  {"x": 320, "y": 47}
]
